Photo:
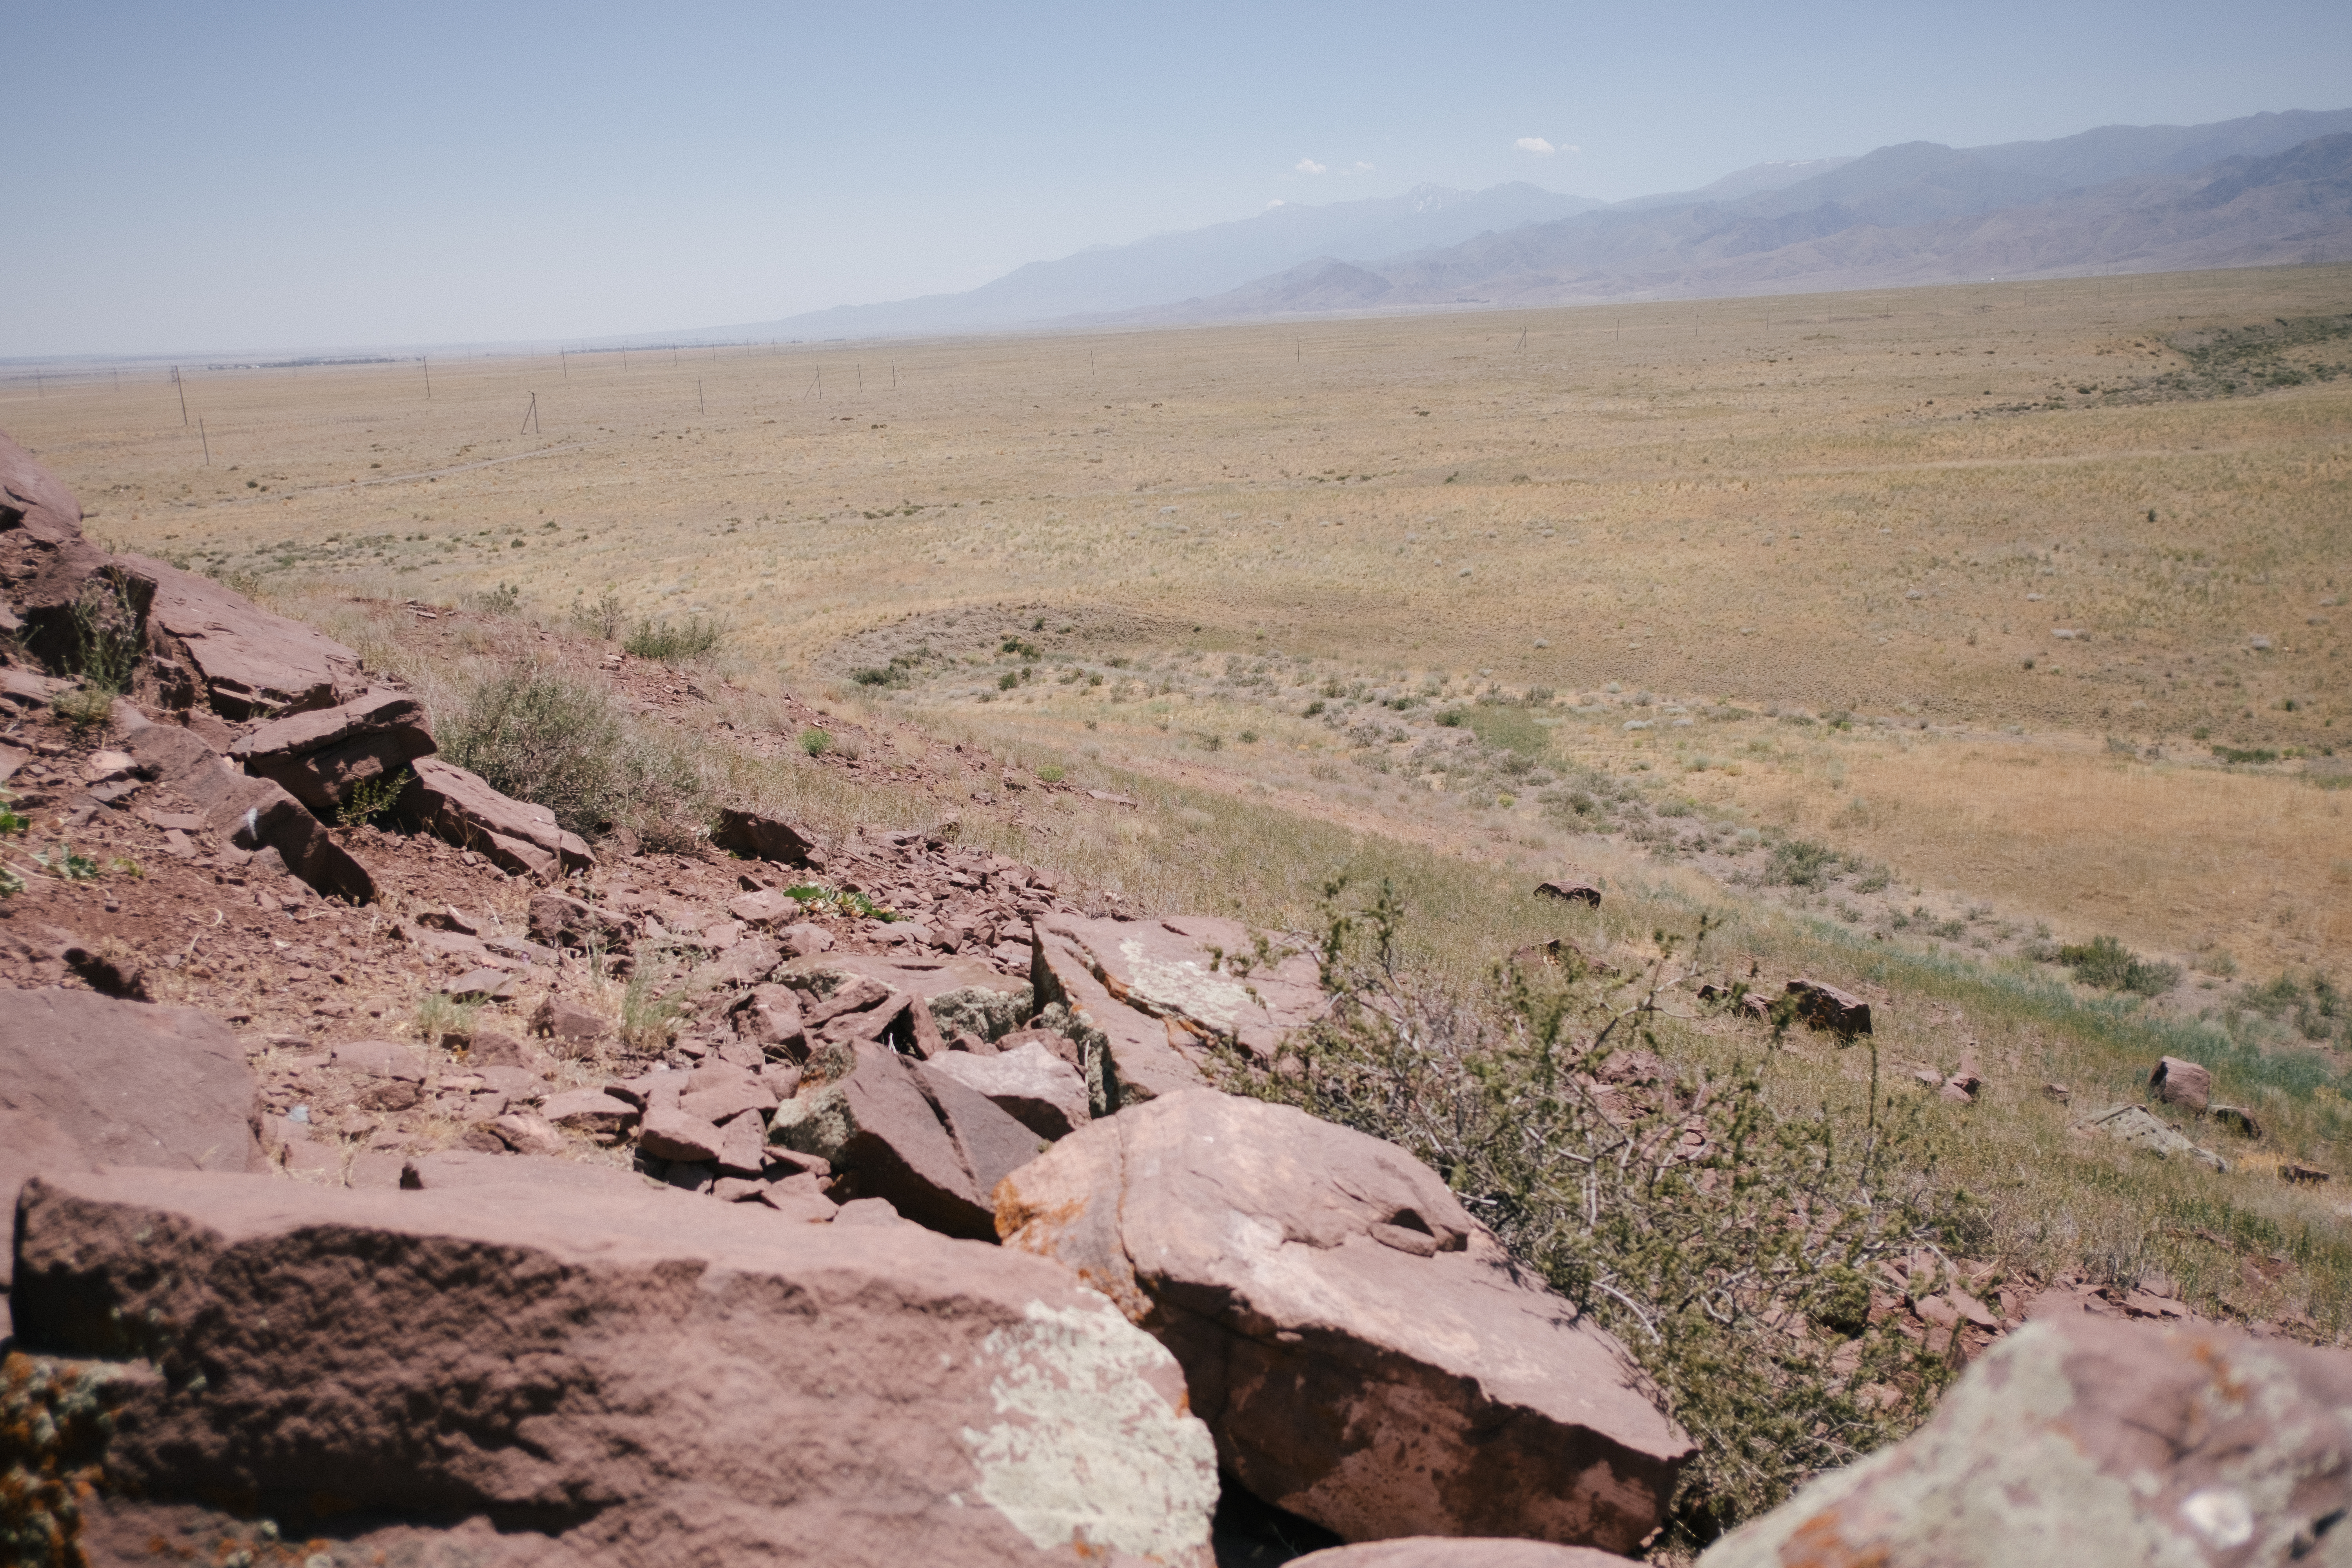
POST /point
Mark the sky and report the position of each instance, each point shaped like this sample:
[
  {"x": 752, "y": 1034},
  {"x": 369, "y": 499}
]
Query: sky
[{"x": 267, "y": 178}]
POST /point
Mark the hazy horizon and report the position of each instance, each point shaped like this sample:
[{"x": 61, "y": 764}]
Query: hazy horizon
[{"x": 270, "y": 180}]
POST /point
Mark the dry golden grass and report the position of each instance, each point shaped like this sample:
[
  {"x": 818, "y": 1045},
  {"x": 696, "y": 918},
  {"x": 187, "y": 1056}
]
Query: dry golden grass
[{"x": 1774, "y": 501}]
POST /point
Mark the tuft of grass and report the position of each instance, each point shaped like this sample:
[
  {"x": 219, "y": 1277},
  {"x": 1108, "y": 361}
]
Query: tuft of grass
[
  {"x": 84, "y": 707},
  {"x": 816, "y": 743}
]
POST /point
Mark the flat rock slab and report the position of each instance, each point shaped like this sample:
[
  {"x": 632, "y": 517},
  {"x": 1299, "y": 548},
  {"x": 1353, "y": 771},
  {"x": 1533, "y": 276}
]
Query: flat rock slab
[
  {"x": 2143, "y": 1128},
  {"x": 2092, "y": 1442},
  {"x": 1365, "y": 1354},
  {"x": 253, "y": 663},
  {"x": 321, "y": 756},
  {"x": 1199, "y": 973},
  {"x": 513, "y": 834},
  {"x": 616, "y": 1377},
  {"x": 131, "y": 1083}
]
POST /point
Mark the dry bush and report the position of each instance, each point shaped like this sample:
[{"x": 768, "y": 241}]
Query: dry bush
[{"x": 1729, "y": 1244}]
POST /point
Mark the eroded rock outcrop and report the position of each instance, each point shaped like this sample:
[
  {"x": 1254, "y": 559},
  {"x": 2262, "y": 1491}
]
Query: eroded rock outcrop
[
  {"x": 613, "y": 1376},
  {"x": 1365, "y": 1354}
]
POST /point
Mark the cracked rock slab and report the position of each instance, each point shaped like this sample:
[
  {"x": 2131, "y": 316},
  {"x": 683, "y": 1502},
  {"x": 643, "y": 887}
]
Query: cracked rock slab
[{"x": 606, "y": 1376}]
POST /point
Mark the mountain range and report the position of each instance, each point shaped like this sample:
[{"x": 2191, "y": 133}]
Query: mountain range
[{"x": 2266, "y": 189}]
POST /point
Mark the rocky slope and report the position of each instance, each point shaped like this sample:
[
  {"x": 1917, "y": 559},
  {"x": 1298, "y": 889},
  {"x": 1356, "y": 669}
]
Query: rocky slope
[{"x": 452, "y": 1190}]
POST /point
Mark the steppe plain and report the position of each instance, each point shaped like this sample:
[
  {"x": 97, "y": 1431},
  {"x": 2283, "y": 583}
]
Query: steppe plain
[{"x": 1908, "y": 634}]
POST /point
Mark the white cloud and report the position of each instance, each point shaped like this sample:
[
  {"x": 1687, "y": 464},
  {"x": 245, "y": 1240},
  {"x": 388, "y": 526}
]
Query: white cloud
[
  {"x": 1535, "y": 144},
  {"x": 1308, "y": 166},
  {"x": 1362, "y": 167}
]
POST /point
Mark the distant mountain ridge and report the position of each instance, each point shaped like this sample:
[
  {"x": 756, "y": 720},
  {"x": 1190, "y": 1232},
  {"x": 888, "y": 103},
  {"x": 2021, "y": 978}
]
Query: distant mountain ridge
[
  {"x": 1105, "y": 278},
  {"x": 1916, "y": 211}
]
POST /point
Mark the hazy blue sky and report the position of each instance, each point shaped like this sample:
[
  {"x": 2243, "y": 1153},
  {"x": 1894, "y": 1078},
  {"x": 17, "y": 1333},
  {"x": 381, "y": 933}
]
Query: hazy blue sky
[{"x": 191, "y": 176}]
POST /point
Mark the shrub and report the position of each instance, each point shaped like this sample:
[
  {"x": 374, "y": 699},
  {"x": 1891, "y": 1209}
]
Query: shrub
[
  {"x": 371, "y": 798},
  {"x": 503, "y": 600},
  {"x": 1800, "y": 863},
  {"x": 816, "y": 743},
  {"x": 601, "y": 620},
  {"x": 1736, "y": 1265},
  {"x": 2106, "y": 963},
  {"x": 542, "y": 736},
  {"x": 657, "y": 638},
  {"x": 1052, "y": 773}
]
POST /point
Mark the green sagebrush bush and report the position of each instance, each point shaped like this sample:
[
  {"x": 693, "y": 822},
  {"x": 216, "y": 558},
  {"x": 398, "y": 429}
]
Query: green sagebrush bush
[
  {"x": 540, "y": 736},
  {"x": 1732, "y": 1248}
]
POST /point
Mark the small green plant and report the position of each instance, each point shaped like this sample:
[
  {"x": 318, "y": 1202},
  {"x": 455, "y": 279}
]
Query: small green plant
[
  {"x": 1312, "y": 709},
  {"x": 2106, "y": 963},
  {"x": 1008, "y": 680},
  {"x": 106, "y": 636},
  {"x": 371, "y": 798},
  {"x": 1051, "y": 772},
  {"x": 816, "y": 743},
  {"x": 841, "y": 902},
  {"x": 67, "y": 863},
  {"x": 11, "y": 819},
  {"x": 122, "y": 866},
  {"x": 658, "y": 639}
]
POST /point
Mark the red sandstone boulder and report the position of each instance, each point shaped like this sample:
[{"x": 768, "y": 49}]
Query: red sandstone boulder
[
  {"x": 131, "y": 1083},
  {"x": 1365, "y": 1354},
  {"x": 2087, "y": 1441},
  {"x": 757, "y": 837},
  {"x": 250, "y": 813},
  {"x": 46, "y": 562},
  {"x": 934, "y": 1149},
  {"x": 513, "y": 834},
  {"x": 2182, "y": 1083},
  {"x": 1827, "y": 1007},
  {"x": 560, "y": 920},
  {"x": 611, "y": 1377},
  {"x": 321, "y": 757}
]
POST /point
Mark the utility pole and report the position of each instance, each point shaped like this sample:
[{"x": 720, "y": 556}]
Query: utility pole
[
  {"x": 530, "y": 417},
  {"x": 183, "y": 388},
  {"x": 427, "y": 360},
  {"x": 698, "y": 395},
  {"x": 207, "y": 441},
  {"x": 564, "y": 357}
]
